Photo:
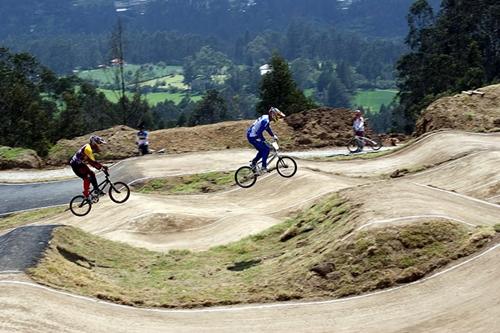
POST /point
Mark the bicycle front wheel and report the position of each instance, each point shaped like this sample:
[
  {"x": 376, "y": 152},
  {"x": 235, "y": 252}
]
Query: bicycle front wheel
[
  {"x": 286, "y": 166},
  {"x": 376, "y": 143},
  {"x": 352, "y": 145},
  {"x": 119, "y": 192},
  {"x": 245, "y": 177},
  {"x": 80, "y": 206}
]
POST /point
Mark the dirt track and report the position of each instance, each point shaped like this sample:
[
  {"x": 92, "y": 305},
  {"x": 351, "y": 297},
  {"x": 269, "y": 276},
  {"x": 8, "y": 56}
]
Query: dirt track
[{"x": 460, "y": 183}]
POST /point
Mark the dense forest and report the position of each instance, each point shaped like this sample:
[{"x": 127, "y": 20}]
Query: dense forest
[{"x": 225, "y": 19}]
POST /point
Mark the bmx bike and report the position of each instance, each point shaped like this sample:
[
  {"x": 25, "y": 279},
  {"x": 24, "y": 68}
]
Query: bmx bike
[
  {"x": 354, "y": 145},
  {"x": 286, "y": 166},
  {"x": 119, "y": 192}
]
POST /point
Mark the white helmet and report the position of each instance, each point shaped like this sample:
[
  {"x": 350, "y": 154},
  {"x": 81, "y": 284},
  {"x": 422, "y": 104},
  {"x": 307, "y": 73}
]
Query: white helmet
[{"x": 275, "y": 113}]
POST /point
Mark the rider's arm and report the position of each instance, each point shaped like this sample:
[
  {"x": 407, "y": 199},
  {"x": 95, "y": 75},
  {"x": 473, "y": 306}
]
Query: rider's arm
[
  {"x": 269, "y": 130},
  {"x": 90, "y": 158}
]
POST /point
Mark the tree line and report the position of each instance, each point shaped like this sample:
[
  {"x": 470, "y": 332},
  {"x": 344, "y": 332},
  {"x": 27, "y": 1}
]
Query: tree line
[
  {"x": 37, "y": 108},
  {"x": 454, "y": 49}
]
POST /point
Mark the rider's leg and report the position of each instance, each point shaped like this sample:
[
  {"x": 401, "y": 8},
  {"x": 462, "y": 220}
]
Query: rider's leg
[
  {"x": 255, "y": 143},
  {"x": 360, "y": 141},
  {"x": 264, "y": 153},
  {"x": 88, "y": 178},
  {"x": 93, "y": 180},
  {"x": 86, "y": 187},
  {"x": 81, "y": 171}
]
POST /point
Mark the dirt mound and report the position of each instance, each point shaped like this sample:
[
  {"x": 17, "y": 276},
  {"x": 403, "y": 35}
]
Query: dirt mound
[
  {"x": 466, "y": 111},
  {"x": 120, "y": 144},
  {"x": 225, "y": 135},
  {"x": 311, "y": 129},
  {"x": 321, "y": 127},
  {"x": 19, "y": 158}
]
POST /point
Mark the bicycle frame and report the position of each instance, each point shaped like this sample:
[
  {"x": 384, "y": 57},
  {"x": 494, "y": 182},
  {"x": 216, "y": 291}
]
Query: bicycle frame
[
  {"x": 273, "y": 154},
  {"x": 102, "y": 185},
  {"x": 365, "y": 139}
]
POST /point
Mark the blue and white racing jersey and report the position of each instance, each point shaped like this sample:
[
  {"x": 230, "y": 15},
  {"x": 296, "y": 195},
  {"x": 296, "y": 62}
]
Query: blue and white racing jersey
[{"x": 259, "y": 126}]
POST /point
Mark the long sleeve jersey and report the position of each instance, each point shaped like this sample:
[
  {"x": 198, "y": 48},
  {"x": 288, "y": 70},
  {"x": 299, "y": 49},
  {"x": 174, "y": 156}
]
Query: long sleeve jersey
[{"x": 259, "y": 126}]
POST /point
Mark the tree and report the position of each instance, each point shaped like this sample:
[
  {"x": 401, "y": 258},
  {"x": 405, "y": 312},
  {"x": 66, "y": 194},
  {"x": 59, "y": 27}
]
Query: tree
[
  {"x": 337, "y": 95},
  {"x": 450, "y": 52},
  {"x": 25, "y": 118},
  {"x": 278, "y": 89},
  {"x": 211, "y": 109}
]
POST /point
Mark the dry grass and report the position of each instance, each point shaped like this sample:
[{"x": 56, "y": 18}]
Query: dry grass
[
  {"x": 19, "y": 219},
  {"x": 189, "y": 184},
  {"x": 301, "y": 258}
]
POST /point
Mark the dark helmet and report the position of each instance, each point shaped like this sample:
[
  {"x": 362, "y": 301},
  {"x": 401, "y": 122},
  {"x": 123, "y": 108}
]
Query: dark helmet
[{"x": 96, "y": 140}]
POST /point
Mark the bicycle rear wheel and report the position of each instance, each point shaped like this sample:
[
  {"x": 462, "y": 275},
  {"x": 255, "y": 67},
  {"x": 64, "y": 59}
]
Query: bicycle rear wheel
[
  {"x": 245, "y": 177},
  {"x": 119, "y": 192},
  {"x": 80, "y": 206},
  {"x": 352, "y": 145},
  {"x": 286, "y": 166}
]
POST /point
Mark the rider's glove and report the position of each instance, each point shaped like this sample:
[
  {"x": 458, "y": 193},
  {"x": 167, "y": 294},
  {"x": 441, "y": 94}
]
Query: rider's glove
[{"x": 275, "y": 138}]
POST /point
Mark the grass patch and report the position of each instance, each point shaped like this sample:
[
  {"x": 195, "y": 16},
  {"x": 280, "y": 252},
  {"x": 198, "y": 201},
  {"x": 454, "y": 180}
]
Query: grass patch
[
  {"x": 373, "y": 99},
  {"x": 151, "y": 98},
  {"x": 19, "y": 219},
  {"x": 198, "y": 183},
  {"x": 106, "y": 76},
  {"x": 497, "y": 227},
  {"x": 10, "y": 153},
  {"x": 301, "y": 258},
  {"x": 169, "y": 81}
]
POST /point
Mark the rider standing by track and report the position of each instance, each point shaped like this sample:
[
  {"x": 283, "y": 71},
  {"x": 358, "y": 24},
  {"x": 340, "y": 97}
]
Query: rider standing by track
[
  {"x": 256, "y": 138},
  {"x": 358, "y": 125},
  {"x": 142, "y": 140},
  {"x": 84, "y": 156}
]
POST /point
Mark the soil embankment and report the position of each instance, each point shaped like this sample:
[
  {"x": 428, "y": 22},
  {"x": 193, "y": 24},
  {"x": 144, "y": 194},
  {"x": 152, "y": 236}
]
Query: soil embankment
[{"x": 477, "y": 111}]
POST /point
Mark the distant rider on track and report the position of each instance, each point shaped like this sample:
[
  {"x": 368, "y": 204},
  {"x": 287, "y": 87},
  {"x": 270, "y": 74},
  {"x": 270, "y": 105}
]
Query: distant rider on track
[
  {"x": 84, "y": 156},
  {"x": 358, "y": 125},
  {"x": 256, "y": 138}
]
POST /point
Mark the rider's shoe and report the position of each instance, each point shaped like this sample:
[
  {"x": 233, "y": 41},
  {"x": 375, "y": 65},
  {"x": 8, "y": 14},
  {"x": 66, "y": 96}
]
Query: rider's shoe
[{"x": 263, "y": 171}]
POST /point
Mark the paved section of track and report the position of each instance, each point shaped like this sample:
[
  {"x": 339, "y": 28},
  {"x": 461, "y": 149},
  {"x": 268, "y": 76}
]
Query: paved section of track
[{"x": 21, "y": 248}]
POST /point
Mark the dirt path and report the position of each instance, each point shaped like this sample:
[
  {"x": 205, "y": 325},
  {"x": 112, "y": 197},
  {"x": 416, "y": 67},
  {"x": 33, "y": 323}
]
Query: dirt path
[{"x": 458, "y": 188}]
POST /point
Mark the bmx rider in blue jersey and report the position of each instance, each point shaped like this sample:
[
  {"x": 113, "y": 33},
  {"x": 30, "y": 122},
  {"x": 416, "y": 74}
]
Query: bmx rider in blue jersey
[{"x": 255, "y": 135}]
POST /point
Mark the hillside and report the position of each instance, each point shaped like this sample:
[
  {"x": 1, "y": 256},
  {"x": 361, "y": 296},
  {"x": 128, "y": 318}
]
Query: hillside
[{"x": 475, "y": 113}]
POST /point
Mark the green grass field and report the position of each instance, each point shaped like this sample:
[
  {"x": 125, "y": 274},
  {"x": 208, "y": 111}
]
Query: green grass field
[
  {"x": 152, "y": 98},
  {"x": 166, "y": 82},
  {"x": 105, "y": 76},
  {"x": 373, "y": 99}
]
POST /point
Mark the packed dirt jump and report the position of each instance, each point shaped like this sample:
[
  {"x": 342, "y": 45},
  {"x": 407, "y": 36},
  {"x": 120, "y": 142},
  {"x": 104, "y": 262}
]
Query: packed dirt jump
[{"x": 450, "y": 175}]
